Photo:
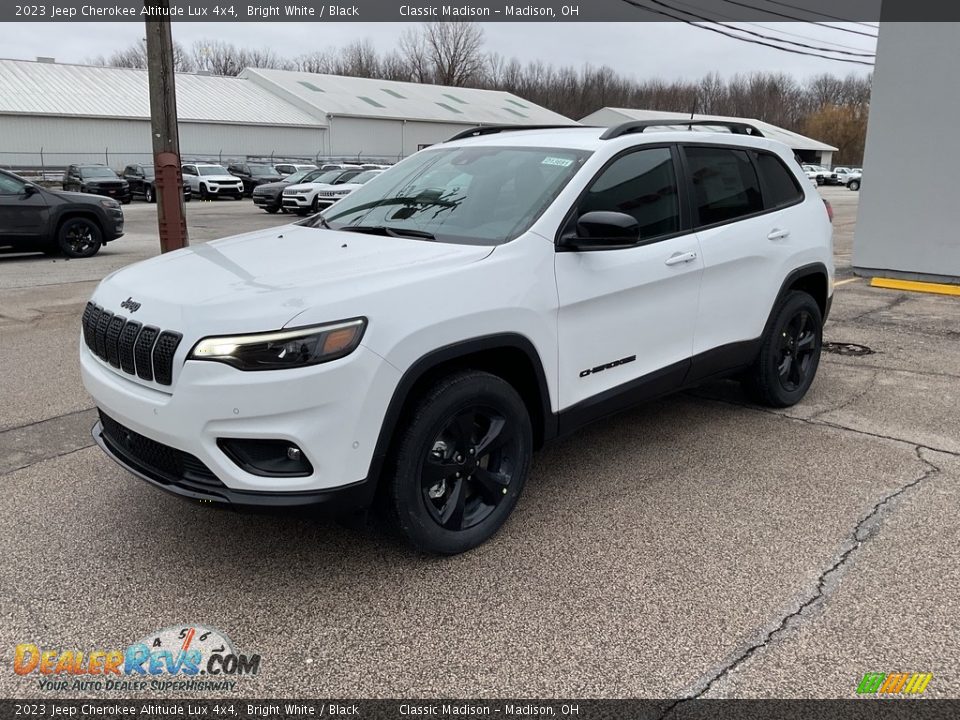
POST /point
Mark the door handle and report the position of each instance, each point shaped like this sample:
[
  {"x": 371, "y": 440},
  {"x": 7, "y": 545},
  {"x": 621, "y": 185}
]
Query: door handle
[
  {"x": 778, "y": 234},
  {"x": 680, "y": 257}
]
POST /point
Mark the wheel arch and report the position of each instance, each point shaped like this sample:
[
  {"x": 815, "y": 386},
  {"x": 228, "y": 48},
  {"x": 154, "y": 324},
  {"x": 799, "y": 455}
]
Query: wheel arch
[
  {"x": 70, "y": 213},
  {"x": 812, "y": 279},
  {"x": 510, "y": 356}
]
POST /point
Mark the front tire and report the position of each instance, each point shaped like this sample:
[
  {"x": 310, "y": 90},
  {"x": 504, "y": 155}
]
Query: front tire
[
  {"x": 460, "y": 464},
  {"x": 854, "y": 185},
  {"x": 204, "y": 195},
  {"x": 272, "y": 210},
  {"x": 789, "y": 355},
  {"x": 79, "y": 238},
  {"x": 148, "y": 194}
]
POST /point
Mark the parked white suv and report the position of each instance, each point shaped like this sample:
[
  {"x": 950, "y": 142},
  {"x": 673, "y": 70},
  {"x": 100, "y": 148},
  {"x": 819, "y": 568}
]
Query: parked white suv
[
  {"x": 301, "y": 198},
  {"x": 211, "y": 181},
  {"x": 329, "y": 195},
  {"x": 419, "y": 339}
]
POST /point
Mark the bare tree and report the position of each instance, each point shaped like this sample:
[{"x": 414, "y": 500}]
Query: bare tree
[{"x": 135, "y": 56}]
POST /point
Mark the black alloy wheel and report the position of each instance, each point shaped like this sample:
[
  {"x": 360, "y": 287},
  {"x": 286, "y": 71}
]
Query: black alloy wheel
[
  {"x": 79, "y": 238},
  {"x": 461, "y": 457},
  {"x": 467, "y": 472},
  {"x": 789, "y": 353},
  {"x": 798, "y": 351}
]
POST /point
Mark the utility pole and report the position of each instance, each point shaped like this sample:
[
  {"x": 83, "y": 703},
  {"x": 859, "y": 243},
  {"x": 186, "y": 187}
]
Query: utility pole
[{"x": 163, "y": 125}]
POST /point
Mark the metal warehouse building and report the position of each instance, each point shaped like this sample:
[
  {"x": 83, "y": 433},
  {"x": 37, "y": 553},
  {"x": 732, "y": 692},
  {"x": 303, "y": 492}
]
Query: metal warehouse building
[
  {"x": 807, "y": 149},
  {"x": 55, "y": 114},
  {"x": 361, "y": 116}
]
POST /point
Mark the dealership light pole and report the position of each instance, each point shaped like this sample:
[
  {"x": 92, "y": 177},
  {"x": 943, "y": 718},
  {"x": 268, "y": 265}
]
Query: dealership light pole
[{"x": 163, "y": 126}]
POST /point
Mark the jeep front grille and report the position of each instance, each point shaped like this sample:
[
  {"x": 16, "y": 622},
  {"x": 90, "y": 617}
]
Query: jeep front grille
[{"x": 144, "y": 351}]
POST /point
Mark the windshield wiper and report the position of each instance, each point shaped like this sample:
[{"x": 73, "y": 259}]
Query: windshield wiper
[{"x": 389, "y": 231}]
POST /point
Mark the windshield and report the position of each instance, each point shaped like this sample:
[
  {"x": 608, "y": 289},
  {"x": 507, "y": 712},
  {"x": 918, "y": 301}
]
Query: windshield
[
  {"x": 298, "y": 176},
  {"x": 365, "y": 176},
  {"x": 262, "y": 170},
  {"x": 468, "y": 195},
  {"x": 322, "y": 177},
  {"x": 211, "y": 170},
  {"x": 95, "y": 172}
]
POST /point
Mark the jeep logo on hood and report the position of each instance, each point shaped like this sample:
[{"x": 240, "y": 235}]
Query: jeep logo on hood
[{"x": 130, "y": 304}]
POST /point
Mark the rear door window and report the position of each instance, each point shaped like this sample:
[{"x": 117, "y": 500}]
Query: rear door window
[{"x": 725, "y": 184}]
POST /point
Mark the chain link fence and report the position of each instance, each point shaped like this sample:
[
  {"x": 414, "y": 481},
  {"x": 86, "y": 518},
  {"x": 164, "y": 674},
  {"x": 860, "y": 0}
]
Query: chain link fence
[{"x": 48, "y": 167}]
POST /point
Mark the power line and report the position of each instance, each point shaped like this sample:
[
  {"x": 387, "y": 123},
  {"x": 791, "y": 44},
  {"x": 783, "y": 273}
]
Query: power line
[
  {"x": 796, "y": 19},
  {"x": 853, "y": 53},
  {"x": 723, "y": 32},
  {"x": 735, "y": 21},
  {"x": 819, "y": 13}
]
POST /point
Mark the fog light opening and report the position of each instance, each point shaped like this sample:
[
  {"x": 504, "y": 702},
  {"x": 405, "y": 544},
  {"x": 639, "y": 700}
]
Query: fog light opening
[{"x": 267, "y": 458}]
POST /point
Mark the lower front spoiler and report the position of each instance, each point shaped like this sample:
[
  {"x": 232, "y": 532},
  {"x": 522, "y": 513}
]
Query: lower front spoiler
[{"x": 344, "y": 500}]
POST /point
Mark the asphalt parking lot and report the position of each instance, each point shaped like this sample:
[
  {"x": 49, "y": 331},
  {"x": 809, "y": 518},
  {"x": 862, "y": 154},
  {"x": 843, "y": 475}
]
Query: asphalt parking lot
[{"x": 694, "y": 546}]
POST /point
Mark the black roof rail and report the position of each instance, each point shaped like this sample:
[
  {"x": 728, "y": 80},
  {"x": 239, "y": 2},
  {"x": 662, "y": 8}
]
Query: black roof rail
[
  {"x": 494, "y": 129},
  {"x": 638, "y": 126}
]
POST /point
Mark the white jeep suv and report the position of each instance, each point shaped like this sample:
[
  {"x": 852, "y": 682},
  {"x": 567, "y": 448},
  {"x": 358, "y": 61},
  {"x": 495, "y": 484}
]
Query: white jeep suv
[
  {"x": 211, "y": 181},
  {"x": 420, "y": 338},
  {"x": 301, "y": 198}
]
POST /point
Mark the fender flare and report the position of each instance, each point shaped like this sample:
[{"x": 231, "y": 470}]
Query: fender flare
[{"x": 439, "y": 356}]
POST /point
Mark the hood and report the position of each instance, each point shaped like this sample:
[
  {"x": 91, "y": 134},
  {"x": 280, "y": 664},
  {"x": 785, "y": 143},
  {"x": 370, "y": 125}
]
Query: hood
[
  {"x": 273, "y": 177},
  {"x": 75, "y": 197},
  {"x": 270, "y": 187},
  {"x": 306, "y": 187},
  {"x": 263, "y": 280},
  {"x": 220, "y": 178}
]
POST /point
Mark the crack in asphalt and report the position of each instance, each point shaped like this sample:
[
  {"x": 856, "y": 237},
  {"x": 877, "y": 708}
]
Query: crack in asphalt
[
  {"x": 862, "y": 532},
  {"x": 898, "y": 300},
  {"x": 857, "y": 396},
  {"x": 46, "y": 420},
  {"x": 45, "y": 459}
]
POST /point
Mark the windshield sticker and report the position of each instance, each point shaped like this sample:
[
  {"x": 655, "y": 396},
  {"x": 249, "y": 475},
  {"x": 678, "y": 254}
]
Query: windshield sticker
[{"x": 559, "y": 162}]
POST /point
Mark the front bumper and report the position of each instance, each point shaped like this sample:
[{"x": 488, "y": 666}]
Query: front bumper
[
  {"x": 333, "y": 412},
  {"x": 225, "y": 190},
  {"x": 297, "y": 202},
  {"x": 266, "y": 201},
  {"x": 342, "y": 500}
]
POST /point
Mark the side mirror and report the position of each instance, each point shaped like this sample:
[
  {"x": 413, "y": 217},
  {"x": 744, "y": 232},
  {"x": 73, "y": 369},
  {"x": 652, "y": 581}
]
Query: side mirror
[
  {"x": 604, "y": 229},
  {"x": 29, "y": 190}
]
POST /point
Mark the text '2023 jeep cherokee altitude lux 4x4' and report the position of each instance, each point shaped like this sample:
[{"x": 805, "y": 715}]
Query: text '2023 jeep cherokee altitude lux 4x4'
[{"x": 419, "y": 339}]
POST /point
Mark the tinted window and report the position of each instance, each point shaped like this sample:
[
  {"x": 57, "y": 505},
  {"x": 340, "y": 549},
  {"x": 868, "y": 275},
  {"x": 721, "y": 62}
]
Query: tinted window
[
  {"x": 725, "y": 185},
  {"x": 780, "y": 187},
  {"x": 641, "y": 184}
]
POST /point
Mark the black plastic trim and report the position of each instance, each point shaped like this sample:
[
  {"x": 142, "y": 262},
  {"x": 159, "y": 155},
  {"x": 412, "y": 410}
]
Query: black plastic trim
[
  {"x": 480, "y": 130},
  {"x": 638, "y": 126},
  {"x": 341, "y": 500},
  {"x": 248, "y": 467},
  {"x": 653, "y": 385},
  {"x": 445, "y": 354}
]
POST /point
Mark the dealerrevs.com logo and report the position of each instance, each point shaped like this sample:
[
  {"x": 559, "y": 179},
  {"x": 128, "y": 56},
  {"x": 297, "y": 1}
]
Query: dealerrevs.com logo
[{"x": 188, "y": 657}]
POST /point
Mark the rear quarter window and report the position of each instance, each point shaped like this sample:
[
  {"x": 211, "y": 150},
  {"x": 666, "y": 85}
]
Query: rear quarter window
[{"x": 780, "y": 186}]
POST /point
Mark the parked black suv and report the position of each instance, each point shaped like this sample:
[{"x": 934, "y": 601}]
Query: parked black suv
[
  {"x": 142, "y": 179},
  {"x": 97, "y": 180},
  {"x": 254, "y": 174},
  {"x": 269, "y": 197},
  {"x": 50, "y": 221}
]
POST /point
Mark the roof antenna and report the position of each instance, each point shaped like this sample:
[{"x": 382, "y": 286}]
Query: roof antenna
[{"x": 693, "y": 110}]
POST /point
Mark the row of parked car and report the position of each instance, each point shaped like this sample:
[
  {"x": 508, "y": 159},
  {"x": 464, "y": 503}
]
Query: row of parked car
[
  {"x": 206, "y": 181},
  {"x": 849, "y": 176}
]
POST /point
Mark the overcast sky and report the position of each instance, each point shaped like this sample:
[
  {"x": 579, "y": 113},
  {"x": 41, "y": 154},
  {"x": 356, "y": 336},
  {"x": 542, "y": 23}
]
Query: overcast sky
[{"x": 665, "y": 50}]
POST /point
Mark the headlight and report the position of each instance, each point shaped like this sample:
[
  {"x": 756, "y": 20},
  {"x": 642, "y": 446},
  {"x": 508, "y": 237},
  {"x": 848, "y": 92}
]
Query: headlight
[
  {"x": 299, "y": 347},
  {"x": 108, "y": 203}
]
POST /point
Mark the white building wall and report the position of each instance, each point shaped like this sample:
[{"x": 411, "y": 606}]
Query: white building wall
[
  {"x": 55, "y": 142},
  {"x": 389, "y": 139},
  {"x": 906, "y": 226}
]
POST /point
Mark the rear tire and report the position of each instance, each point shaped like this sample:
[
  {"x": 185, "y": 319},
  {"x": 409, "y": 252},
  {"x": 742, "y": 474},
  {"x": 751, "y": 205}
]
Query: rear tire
[
  {"x": 461, "y": 460},
  {"x": 789, "y": 354},
  {"x": 79, "y": 237}
]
